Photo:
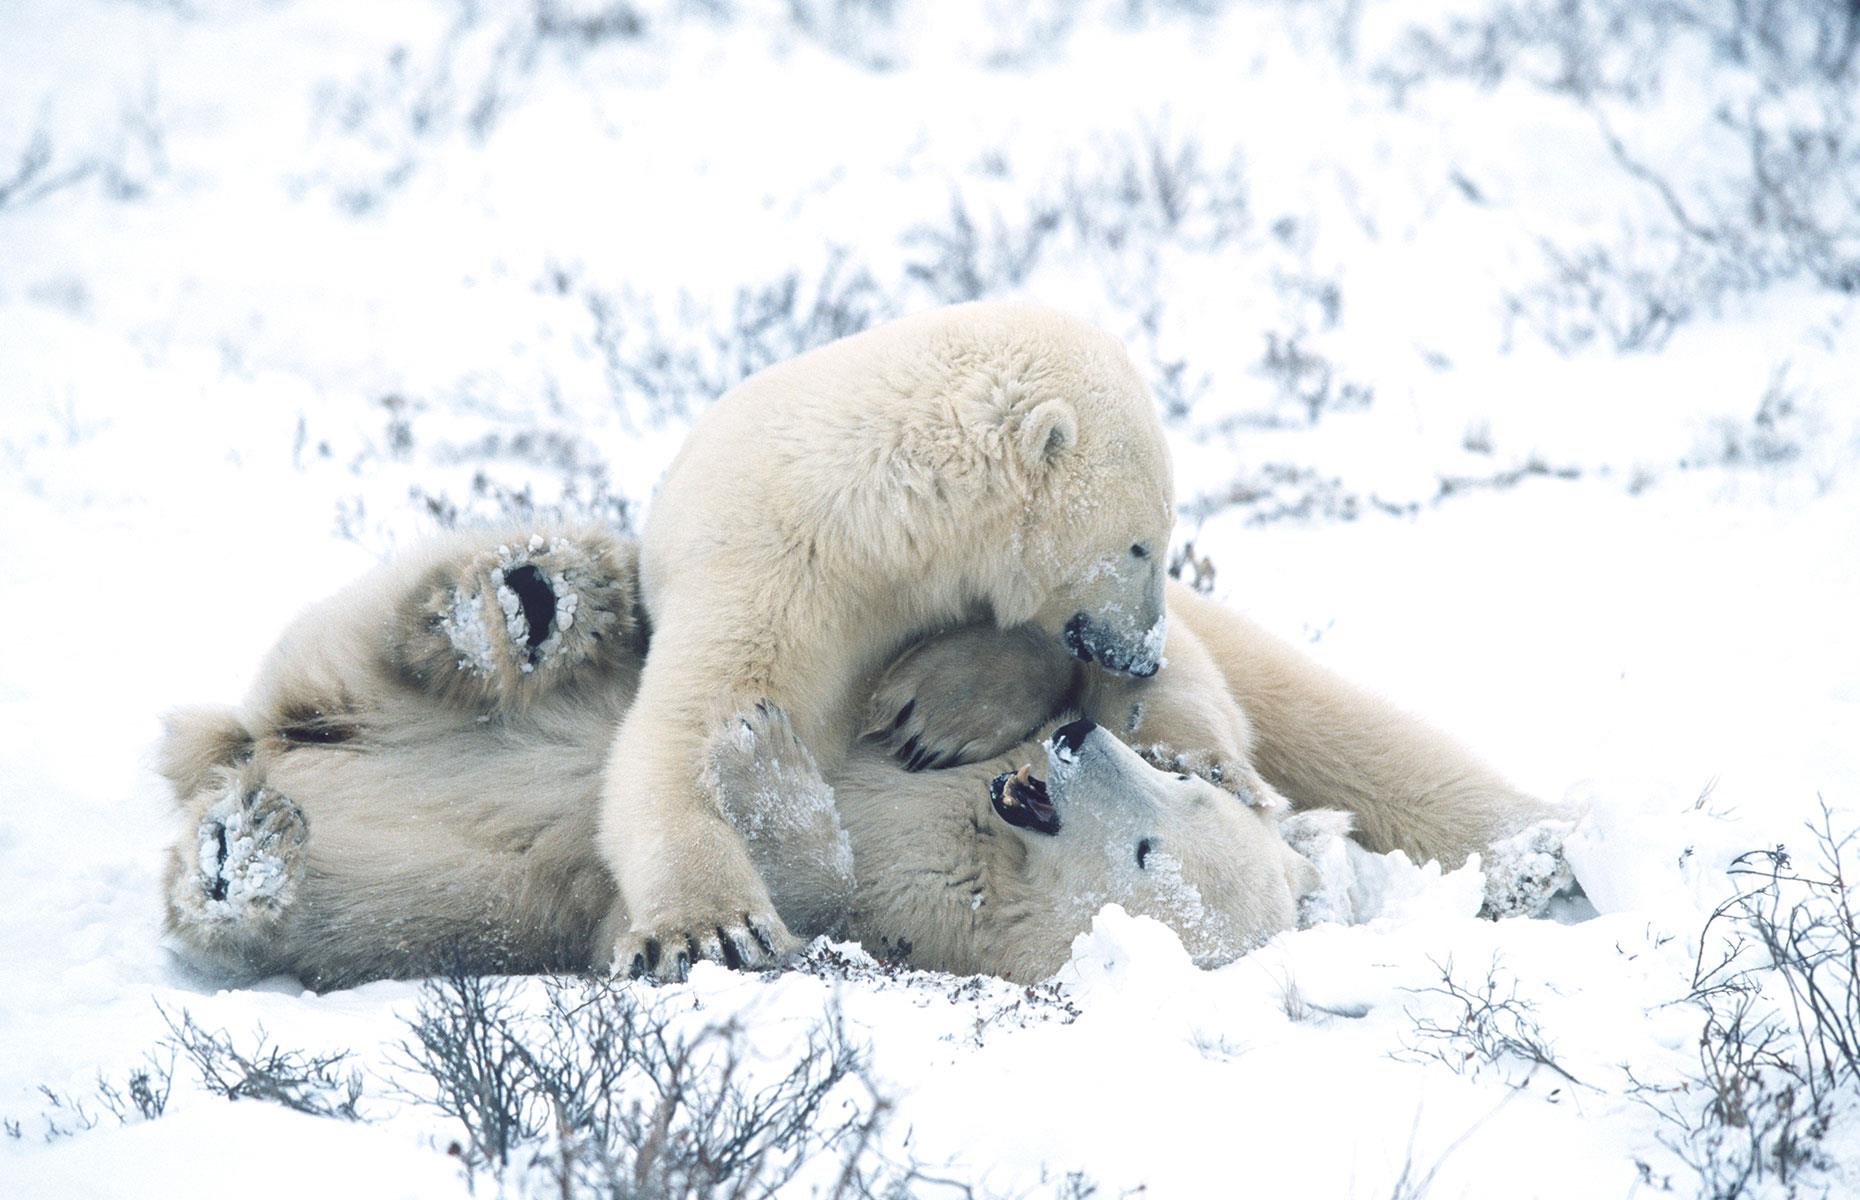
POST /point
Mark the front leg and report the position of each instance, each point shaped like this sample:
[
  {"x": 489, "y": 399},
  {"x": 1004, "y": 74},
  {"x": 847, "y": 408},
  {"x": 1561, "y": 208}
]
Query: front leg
[
  {"x": 688, "y": 890},
  {"x": 969, "y": 694},
  {"x": 772, "y": 791}
]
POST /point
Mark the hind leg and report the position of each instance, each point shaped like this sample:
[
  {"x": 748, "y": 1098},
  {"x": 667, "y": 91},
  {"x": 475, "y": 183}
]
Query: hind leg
[
  {"x": 236, "y": 870},
  {"x": 497, "y": 622}
]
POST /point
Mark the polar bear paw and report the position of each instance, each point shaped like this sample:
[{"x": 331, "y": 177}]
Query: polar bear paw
[
  {"x": 967, "y": 695},
  {"x": 516, "y": 618},
  {"x": 247, "y": 861},
  {"x": 1524, "y": 872},
  {"x": 667, "y": 950},
  {"x": 1230, "y": 773}
]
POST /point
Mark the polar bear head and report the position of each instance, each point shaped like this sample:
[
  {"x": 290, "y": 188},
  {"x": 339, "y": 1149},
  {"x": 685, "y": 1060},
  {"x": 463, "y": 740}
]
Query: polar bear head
[
  {"x": 1080, "y": 494},
  {"x": 1105, "y": 827}
]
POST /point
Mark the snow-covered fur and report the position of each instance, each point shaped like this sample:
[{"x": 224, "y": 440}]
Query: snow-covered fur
[
  {"x": 443, "y": 762},
  {"x": 1234, "y": 704},
  {"x": 366, "y": 814},
  {"x": 994, "y": 462}
]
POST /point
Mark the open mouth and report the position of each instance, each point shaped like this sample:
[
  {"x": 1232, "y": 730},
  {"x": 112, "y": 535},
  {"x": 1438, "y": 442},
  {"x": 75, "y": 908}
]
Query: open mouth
[{"x": 1022, "y": 801}]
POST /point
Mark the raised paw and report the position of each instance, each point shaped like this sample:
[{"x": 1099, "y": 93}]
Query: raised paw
[
  {"x": 247, "y": 858},
  {"x": 968, "y": 695},
  {"x": 752, "y": 942},
  {"x": 1526, "y": 871},
  {"x": 516, "y": 618}
]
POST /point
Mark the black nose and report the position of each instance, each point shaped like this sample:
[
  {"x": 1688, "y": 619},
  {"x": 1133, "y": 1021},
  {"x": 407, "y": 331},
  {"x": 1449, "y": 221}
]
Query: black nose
[{"x": 1073, "y": 735}]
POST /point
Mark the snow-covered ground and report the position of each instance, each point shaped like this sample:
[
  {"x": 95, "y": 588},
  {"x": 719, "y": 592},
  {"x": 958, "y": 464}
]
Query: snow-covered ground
[{"x": 1511, "y": 355}]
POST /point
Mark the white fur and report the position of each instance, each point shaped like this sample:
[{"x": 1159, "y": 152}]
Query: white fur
[
  {"x": 387, "y": 822},
  {"x": 988, "y": 461}
]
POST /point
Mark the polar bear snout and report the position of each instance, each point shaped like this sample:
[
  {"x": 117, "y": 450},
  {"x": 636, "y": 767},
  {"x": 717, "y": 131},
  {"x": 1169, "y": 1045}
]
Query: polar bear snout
[{"x": 1090, "y": 640}]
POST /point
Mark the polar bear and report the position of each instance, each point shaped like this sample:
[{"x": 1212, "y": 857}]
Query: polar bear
[
  {"x": 1242, "y": 708},
  {"x": 989, "y": 461},
  {"x": 413, "y": 783}
]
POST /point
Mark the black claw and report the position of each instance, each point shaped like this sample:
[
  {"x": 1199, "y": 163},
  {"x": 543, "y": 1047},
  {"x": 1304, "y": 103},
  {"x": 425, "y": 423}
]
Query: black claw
[
  {"x": 908, "y": 750},
  {"x": 732, "y": 954},
  {"x": 639, "y": 966},
  {"x": 762, "y": 939},
  {"x": 904, "y": 714},
  {"x": 653, "y": 954}
]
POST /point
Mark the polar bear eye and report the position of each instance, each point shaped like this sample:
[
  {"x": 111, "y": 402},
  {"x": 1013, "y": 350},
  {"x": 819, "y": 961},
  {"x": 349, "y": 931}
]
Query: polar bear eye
[
  {"x": 1138, "y": 552},
  {"x": 1143, "y": 853}
]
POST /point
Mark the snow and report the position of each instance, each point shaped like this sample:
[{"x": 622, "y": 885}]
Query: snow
[{"x": 323, "y": 273}]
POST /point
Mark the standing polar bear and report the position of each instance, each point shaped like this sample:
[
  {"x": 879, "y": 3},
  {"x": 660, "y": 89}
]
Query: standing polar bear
[{"x": 994, "y": 462}]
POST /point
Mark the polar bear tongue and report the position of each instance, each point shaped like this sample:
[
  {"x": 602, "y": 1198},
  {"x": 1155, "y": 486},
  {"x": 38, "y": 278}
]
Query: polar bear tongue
[{"x": 1022, "y": 801}]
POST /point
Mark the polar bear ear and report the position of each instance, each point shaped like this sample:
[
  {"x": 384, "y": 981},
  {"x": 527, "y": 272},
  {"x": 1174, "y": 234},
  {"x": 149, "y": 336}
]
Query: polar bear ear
[{"x": 1047, "y": 433}]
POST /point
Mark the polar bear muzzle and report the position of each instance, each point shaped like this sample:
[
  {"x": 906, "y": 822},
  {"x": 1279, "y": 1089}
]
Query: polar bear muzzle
[
  {"x": 1022, "y": 801},
  {"x": 1093, "y": 641}
]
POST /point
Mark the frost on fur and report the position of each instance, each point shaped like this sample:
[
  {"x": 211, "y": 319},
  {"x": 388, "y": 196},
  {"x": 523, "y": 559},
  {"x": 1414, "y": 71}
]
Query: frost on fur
[
  {"x": 523, "y": 615},
  {"x": 770, "y": 789},
  {"x": 1356, "y": 885},
  {"x": 246, "y": 861},
  {"x": 1524, "y": 872}
]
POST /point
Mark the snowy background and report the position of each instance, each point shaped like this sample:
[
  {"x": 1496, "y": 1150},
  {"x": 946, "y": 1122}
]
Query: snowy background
[{"x": 1509, "y": 351}]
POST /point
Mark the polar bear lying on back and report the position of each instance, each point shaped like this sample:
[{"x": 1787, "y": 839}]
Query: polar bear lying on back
[
  {"x": 413, "y": 782},
  {"x": 412, "y": 786},
  {"x": 992, "y": 462}
]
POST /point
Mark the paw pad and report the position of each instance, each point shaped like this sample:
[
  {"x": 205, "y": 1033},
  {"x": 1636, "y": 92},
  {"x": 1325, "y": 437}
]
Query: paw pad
[
  {"x": 246, "y": 853},
  {"x": 517, "y": 611}
]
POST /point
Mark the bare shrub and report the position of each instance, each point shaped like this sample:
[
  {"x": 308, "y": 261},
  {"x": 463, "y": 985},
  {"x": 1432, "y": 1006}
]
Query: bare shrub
[
  {"x": 1488, "y": 1024},
  {"x": 307, "y": 1083},
  {"x": 1580, "y": 47},
  {"x": 662, "y": 368},
  {"x": 1630, "y": 296},
  {"x": 1531, "y": 468},
  {"x": 1778, "y": 982},
  {"x": 860, "y": 31},
  {"x": 603, "y": 1090},
  {"x": 1771, "y": 436},
  {"x": 37, "y": 172},
  {"x": 973, "y": 254},
  {"x": 473, "y": 465},
  {"x": 322, "y": 1085},
  {"x": 1279, "y": 492},
  {"x": 1196, "y": 570},
  {"x": 1306, "y": 382},
  {"x": 1779, "y": 198},
  {"x": 141, "y": 1096},
  {"x": 1122, "y": 198},
  {"x": 130, "y": 159}
]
